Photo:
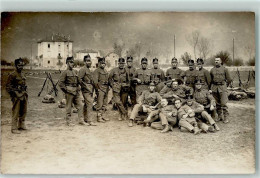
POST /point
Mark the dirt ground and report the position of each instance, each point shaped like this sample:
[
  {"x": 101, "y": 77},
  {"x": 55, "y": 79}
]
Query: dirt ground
[{"x": 49, "y": 146}]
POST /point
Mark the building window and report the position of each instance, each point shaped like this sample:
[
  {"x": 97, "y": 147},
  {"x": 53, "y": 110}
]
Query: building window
[
  {"x": 49, "y": 62},
  {"x": 49, "y": 45},
  {"x": 67, "y": 46}
]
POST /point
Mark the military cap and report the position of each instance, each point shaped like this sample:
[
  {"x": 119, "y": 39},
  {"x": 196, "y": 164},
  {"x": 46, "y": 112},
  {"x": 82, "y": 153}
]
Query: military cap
[
  {"x": 152, "y": 84},
  {"x": 101, "y": 60},
  {"x": 155, "y": 60},
  {"x": 200, "y": 60},
  {"x": 86, "y": 57},
  {"x": 18, "y": 61},
  {"x": 144, "y": 60},
  {"x": 191, "y": 62},
  {"x": 174, "y": 59},
  {"x": 121, "y": 60},
  {"x": 69, "y": 59},
  {"x": 129, "y": 58}
]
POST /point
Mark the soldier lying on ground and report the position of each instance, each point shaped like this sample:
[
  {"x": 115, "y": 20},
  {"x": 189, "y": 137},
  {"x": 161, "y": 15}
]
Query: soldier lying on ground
[
  {"x": 167, "y": 115},
  {"x": 146, "y": 103},
  {"x": 186, "y": 117}
]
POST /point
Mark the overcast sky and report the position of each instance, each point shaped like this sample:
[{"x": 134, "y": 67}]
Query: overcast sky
[{"x": 21, "y": 31}]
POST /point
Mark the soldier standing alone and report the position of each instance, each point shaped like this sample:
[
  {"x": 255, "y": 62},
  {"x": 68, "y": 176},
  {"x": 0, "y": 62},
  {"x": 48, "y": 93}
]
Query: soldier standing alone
[
  {"x": 16, "y": 87},
  {"x": 220, "y": 80},
  {"x": 69, "y": 84},
  {"x": 100, "y": 78},
  {"x": 86, "y": 82}
]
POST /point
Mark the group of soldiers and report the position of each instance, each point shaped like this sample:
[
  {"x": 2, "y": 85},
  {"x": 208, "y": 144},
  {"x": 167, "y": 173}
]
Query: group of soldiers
[{"x": 194, "y": 100}]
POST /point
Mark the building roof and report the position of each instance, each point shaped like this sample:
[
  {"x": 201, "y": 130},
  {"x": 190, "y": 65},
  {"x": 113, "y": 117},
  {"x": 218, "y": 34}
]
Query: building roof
[
  {"x": 56, "y": 38},
  {"x": 87, "y": 51}
]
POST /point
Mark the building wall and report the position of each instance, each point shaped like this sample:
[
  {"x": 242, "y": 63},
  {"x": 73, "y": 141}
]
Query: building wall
[
  {"x": 112, "y": 58},
  {"x": 50, "y": 52},
  {"x": 80, "y": 56}
]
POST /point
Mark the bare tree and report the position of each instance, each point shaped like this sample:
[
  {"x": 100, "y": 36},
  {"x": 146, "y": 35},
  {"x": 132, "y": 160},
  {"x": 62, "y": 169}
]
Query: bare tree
[
  {"x": 204, "y": 47},
  {"x": 193, "y": 40},
  {"x": 118, "y": 48},
  {"x": 249, "y": 51}
]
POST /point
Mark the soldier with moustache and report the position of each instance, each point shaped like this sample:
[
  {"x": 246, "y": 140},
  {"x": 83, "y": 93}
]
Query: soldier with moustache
[
  {"x": 119, "y": 81},
  {"x": 157, "y": 76},
  {"x": 87, "y": 89}
]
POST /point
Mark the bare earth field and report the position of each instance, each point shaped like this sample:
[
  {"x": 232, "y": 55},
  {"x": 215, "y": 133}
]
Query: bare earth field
[{"x": 113, "y": 148}]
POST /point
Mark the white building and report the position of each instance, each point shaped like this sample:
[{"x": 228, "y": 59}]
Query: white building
[
  {"x": 53, "y": 51},
  {"x": 111, "y": 60},
  {"x": 93, "y": 54}
]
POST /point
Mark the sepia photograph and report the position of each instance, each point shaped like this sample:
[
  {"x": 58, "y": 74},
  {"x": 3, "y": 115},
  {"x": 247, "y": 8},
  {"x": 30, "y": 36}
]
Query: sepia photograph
[{"x": 128, "y": 93}]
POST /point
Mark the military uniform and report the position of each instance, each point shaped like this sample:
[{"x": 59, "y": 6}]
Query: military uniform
[
  {"x": 144, "y": 75},
  {"x": 132, "y": 89},
  {"x": 69, "y": 84},
  {"x": 174, "y": 72},
  {"x": 87, "y": 88},
  {"x": 190, "y": 75},
  {"x": 16, "y": 87},
  {"x": 119, "y": 80},
  {"x": 203, "y": 75},
  {"x": 147, "y": 99},
  {"x": 157, "y": 76},
  {"x": 100, "y": 78},
  {"x": 220, "y": 80},
  {"x": 179, "y": 92}
]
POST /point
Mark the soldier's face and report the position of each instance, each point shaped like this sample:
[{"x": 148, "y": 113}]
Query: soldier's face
[
  {"x": 174, "y": 85},
  {"x": 71, "y": 64},
  {"x": 155, "y": 65},
  {"x": 174, "y": 64},
  {"x": 217, "y": 61},
  {"x": 144, "y": 65},
  {"x": 130, "y": 63},
  {"x": 198, "y": 86},
  {"x": 199, "y": 65},
  {"x": 191, "y": 67},
  {"x": 177, "y": 104},
  {"x": 102, "y": 65},
  {"x": 151, "y": 88},
  {"x": 121, "y": 65},
  {"x": 88, "y": 63},
  {"x": 19, "y": 66},
  {"x": 189, "y": 102}
]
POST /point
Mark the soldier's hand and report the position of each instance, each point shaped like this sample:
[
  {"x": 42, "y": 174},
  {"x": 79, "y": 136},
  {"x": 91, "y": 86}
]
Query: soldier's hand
[
  {"x": 145, "y": 109},
  {"x": 211, "y": 107},
  {"x": 210, "y": 91},
  {"x": 185, "y": 116},
  {"x": 138, "y": 80}
]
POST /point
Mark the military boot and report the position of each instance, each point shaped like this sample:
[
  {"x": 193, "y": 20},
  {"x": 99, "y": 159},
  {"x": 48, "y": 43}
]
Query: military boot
[
  {"x": 225, "y": 120},
  {"x": 225, "y": 112},
  {"x": 105, "y": 118},
  {"x": 99, "y": 119},
  {"x": 22, "y": 126},
  {"x": 69, "y": 121},
  {"x": 204, "y": 127},
  {"x": 196, "y": 130},
  {"x": 121, "y": 117},
  {"x": 15, "y": 131},
  {"x": 211, "y": 129},
  {"x": 82, "y": 122},
  {"x": 183, "y": 129},
  {"x": 220, "y": 116},
  {"x": 130, "y": 123},
  {"x": 216, "y": 127},
  {"x": 166, "y": 129}
]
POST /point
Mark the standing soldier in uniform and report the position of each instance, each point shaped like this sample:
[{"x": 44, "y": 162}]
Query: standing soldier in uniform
[
  {"x": 147, "y": 102},
  {"x": 190, "y": 75},
  {"x": 86, "y": 82},
  {"x": 143, "y": 77},
  {"x": 100, "y": 78},
  {"x": 203, "y": 74},
  {"x": 69, "y": 84},
  {"x": 118, "y": 79},
  {"x": 16, "y": 87},
  {"x": 157, "y": 76},
  {"x": 220, "y": 80},
  {"x": 131, "y": 72},
  {"x": 174, "y": 72}
]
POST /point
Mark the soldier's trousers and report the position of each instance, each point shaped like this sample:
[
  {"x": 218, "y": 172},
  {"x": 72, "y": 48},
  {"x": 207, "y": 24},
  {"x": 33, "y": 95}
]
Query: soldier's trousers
[
  {"x": 159, "y": 87},
  {"x": 207, "y": 117},
  {"x": 73, "y": 99},
  {"x": 140, "y": 89},
  {"x": 19, "y": 111},
  {"x": 102, "y": 98},
  {"x": 136, "y": 109},
  {"x": 165, "y": 120},
  {"x": 221, "y": 101},
  {"x": 119, "y": 99},
  {"x": 132, "y": 94},
  {"x": 188, "y": 123},
  {"x": 87, "y": 108}
]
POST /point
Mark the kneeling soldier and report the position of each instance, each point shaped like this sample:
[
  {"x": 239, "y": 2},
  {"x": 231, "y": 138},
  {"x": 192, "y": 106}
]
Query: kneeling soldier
[
  {"x": 119, "y": 80},
  {"x": 16, "y": 87},
  {"x": 147, "y": 102},
  {"x": 69, "y": 84}
]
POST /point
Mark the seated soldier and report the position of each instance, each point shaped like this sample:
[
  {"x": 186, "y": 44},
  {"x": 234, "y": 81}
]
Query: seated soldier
[
  {"x": 202, "y": 115},
  {"x": 204, "y": 97},
  {"x": 167, "y": 87},
  {"x": 167, "y": 115},
  {"x": 147, "y": 102},
  {"x": 186, "y": 117},
  {"x": 177, "y": 90}
]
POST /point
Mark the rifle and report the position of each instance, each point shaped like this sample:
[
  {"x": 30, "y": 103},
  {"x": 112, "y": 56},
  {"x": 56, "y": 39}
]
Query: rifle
[{"x": 39, "y": 94}]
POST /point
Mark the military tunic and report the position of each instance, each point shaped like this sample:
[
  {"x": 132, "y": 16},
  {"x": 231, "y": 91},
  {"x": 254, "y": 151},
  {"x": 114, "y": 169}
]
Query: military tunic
[
  {"x": 145, "y": 76},
  {"x": 204, "y": 77},
  {"x": 220, "y": 80},
  {"x": 189, "y": 122},
  {"x": 69, "y": 84},
  {"x": 190, "y": 77},
  {"x": 16, "y": 87},
  {"x": 100, "y": 78},
  {"x": 158, "y": 77},
  {"x": 132, "y": 89},
  {"x": 174, "y": 73},
  {"x": 179, "y": 92},
  {"x": 87, "y": 88},
  {"x": 119, "y": 80}
]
